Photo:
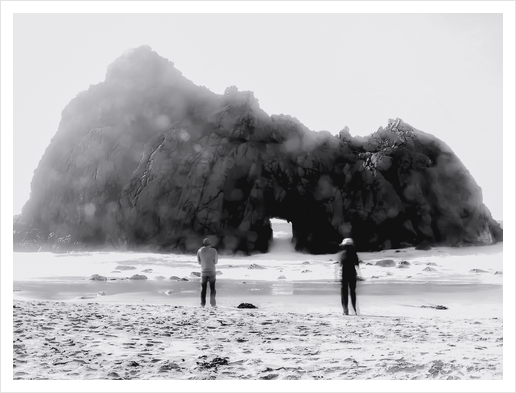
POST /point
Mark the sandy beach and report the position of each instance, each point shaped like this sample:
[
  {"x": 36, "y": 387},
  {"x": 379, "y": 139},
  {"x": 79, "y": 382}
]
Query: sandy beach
[
  {"x": 436, "y": 316},
  {"x": 58, "y": 340}
]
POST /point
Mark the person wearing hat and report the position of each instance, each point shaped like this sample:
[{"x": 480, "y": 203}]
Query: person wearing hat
[
  {"x": 348, "y": 261},
  {"x": 208, "y": 258}
]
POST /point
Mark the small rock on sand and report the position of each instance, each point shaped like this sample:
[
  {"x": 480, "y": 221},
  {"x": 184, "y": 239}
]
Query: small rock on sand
[
  {"x": 282, "y": 277},
  {"x": 477, "y": 271},
  {"x": 255, "y": 266},
  {"x": 306, "y": 263},
  {"x": 125, "y": 268},
  {"x": 147, "y": 271},
  {"x": 184, "y": 279},
  {"x": 429, "y": 269},
  {"x": 306, "y": 271},
  {"x": 386, "y": 263},
  {"x": 195, "y": 274},
  {"x": 138, "y": 277},
  {"x": 218, "y": 272},
  {"x": 498, "y": 273},
  {"x": 160, "y": 278},
  {"x": 438, "y": 307},
  {"x": 174, "y": 278},
  {"x": 403, "y": 265},
  {"x": 98, "y": 277},
  {"x": 431, "y": 264},
  {"x": 101, "y": 293},
  {"x": 246, "y": 305}
]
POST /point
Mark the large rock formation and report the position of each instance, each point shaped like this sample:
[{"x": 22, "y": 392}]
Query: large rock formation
[{"x": 147, "y": 158}]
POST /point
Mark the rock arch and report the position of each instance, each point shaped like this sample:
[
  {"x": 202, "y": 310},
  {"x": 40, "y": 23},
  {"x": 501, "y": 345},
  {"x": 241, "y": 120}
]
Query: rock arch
[{"x": 148, "y": 159}]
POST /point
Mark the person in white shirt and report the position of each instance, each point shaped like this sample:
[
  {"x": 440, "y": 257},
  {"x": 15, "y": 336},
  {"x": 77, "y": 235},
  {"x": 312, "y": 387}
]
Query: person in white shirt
[{"x": 208, "y": 258}]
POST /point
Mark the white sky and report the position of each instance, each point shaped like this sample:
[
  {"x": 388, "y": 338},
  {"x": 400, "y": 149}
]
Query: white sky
[{"x": 441, "y": 73}]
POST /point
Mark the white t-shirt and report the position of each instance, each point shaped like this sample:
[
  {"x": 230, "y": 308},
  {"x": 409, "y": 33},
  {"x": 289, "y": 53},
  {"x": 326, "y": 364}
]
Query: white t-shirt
[{"x": 207, "y": 258}]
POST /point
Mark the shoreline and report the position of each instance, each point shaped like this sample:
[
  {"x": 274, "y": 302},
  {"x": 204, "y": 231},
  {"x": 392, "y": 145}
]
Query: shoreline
[{"x": 374, "y": 298}]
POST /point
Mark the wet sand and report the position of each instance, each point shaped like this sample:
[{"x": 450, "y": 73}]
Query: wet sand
[{"x": 388, "y": 298}]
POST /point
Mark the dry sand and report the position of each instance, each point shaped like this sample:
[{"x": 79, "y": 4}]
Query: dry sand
[{"x": 58, "y": 340}]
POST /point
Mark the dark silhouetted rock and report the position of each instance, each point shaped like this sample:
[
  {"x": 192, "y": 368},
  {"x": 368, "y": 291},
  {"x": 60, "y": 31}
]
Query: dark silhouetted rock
[
  {"x": 98, "y": 277},
  {"x": 184, "y": 279},
  {"x": 203, "y": 363},
  {"x": 147, "y": 159},
  {"x": 386, "y": 263},
  {"x": 306, "y": 271},
  {"x": 174, "y": 278},
  {"x": 246, "y": 305},
  {"x": 438, "y": 307},
  {"x": 138, "y": 277},
  {"x": 403, "y": 265},
  {"x": 424, "y": 246},
  {"x": 307, "y": 262}
]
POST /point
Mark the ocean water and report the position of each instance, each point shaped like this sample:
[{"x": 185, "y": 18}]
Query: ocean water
[{"x": 279, "y": 278}]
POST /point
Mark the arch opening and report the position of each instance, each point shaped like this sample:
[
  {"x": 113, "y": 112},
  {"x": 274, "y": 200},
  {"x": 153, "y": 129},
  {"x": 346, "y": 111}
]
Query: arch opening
[{"x": 282, "y": 239}]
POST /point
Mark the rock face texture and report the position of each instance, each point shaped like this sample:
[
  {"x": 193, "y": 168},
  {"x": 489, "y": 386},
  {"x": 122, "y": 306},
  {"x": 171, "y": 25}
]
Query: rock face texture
[{"x": 147, "y": 158}]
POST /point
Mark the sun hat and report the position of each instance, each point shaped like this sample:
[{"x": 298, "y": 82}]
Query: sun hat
[{"x": 347, "y": 242}]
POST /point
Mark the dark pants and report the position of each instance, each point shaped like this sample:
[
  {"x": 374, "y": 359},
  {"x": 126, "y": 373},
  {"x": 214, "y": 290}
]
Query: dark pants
[
  {"x": 211, "y": 278},
  {"x": 351, "y": 281}
]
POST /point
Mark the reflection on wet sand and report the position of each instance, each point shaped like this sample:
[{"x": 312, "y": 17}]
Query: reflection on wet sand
[{"x": 282, "y": 288}]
